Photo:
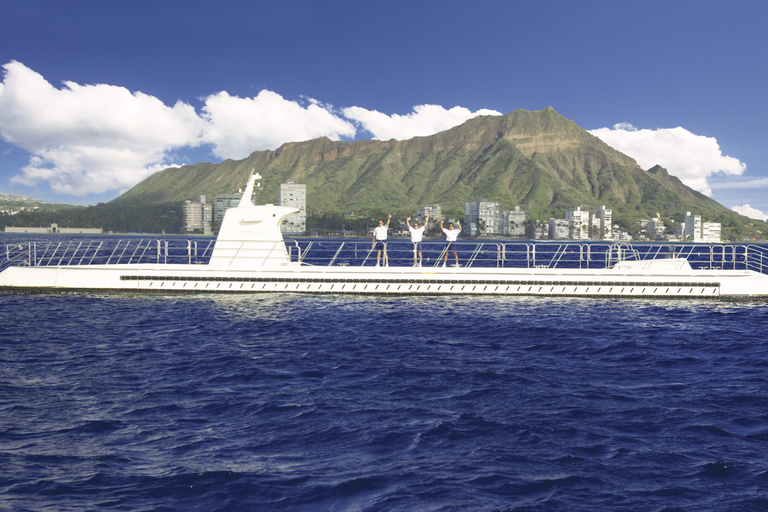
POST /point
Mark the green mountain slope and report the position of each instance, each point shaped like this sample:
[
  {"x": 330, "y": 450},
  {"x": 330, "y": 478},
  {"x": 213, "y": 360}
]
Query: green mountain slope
[{"x": 539, "y": 160}]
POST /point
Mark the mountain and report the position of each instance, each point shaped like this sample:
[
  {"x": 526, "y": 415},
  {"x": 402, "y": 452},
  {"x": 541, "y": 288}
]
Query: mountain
[{"x": 538, "y": 160}]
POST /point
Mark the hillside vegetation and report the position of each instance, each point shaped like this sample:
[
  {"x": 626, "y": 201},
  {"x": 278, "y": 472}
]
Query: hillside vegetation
[{"x": 540, "y": 161}]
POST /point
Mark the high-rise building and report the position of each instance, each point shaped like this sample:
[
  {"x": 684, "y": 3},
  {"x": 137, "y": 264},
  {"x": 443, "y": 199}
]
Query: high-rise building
[
  {"x": 512, "y": 222},
  {"x": 222, "y": 203},
  {"x": 482, "y": 217},
  {"x": 710, "y": 232},
  {"x": 655, "y": 228},
  {"x": 433, "y": 211},
  {"x": 198, "y": 216},
  {"x": 559, "y": 229},
  {"x": 294, "y": 195},
  {"x": 579, "y": 223},
  {"x": 679, "y": 229},
  {"x": 537, "y": 230},
  {"x": 692, "y": 229},
  {"x": 603, "y": 220}
]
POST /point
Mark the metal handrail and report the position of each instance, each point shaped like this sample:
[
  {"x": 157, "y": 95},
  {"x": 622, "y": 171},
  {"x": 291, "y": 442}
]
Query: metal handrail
[
  {"x": 336, "y": 255},
  {"x": 473, "y": 256},
  {"x": 507, "y": 254}
]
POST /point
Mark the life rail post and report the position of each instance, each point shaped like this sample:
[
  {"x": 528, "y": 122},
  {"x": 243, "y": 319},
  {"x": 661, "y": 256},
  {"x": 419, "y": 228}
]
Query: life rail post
[
  {"x": 302, "y": 255},
  {"x": 440, "y": 257},
  {"x": 146, "y": 247},
  {"x": 367, "y": 255},
  {"x": 561, "y": 250},
  {"x": 53, "y": 255},
  {"x": 330, "y": 264},
  {"x": 43, "y": 256},
  {"x": 95, "y": 253},
  {"x": 209, "y": 248},
  {"x": 74, "y": 253},
  {"x": 127, "y": 244},
  {"x": 135, "y": 250},
  {"x": 530, "y": 255},
  {"x": 473, "y": 256}
]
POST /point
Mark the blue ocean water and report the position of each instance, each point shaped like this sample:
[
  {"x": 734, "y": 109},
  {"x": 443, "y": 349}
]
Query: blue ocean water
[{"x": 300, "y": 402}]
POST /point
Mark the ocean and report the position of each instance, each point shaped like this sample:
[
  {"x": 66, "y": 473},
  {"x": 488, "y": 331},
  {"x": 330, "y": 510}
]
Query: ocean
[{"x": 335, "y": 403}]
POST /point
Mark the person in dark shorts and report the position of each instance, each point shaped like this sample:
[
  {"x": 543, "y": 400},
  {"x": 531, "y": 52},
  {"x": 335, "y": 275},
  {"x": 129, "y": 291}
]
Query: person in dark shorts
[
  {"x": 451, "y": 234},
  {"x": 417, "y": 235},
  {"x": 380, "y": 240}
]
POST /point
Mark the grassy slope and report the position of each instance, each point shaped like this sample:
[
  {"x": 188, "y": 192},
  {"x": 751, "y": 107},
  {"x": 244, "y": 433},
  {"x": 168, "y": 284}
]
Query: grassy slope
[{"x": 540, "y": 161}]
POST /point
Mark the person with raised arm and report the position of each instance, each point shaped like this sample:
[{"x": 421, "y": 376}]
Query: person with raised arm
[
  {"x": 380, "y": 240},
  {"x": 451, "y": 234},
  {"x": 417, "y": 235}
]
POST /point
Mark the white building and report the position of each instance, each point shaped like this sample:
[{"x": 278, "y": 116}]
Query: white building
[
  {"x": 198, "y": 216},
  {"x": 559, "y": 229},
  {"x": 655, "y": 228},
  {"x": 578, "y": 220},
  {"x": 482, "y": 217},
  {"x": 680, "y": 230},
  {"x": 692, "y": 229},
  {"x": 294, "y": 195},
  {"x": 433, "y": 211},
  {"x": 698, "y": 231},
  {"x": 512, "y": 222},
  {"x": 710, "y": 232},
  {"x": 603, "y": 221}
]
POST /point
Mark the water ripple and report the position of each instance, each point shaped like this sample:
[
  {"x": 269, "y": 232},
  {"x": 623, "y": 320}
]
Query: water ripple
[{"x": 289, "y": 402}]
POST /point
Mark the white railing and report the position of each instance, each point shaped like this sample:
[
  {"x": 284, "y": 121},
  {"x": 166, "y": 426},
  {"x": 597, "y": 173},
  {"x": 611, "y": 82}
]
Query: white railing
[
  {"x": 325, "y": 252},
  {"x": 109, "y": 251}
]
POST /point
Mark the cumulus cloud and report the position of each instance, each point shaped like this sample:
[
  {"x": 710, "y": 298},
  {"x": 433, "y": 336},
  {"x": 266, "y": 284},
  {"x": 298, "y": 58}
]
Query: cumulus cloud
[
  {"x": 239, "y": 126},
  {"x": 748, "y": 211},
  {"x": 86, "y": 139},
  {"x": 692, "y": 158},
  {"x": 424, "y": 120},
  {"x": 89, "y": 139}
]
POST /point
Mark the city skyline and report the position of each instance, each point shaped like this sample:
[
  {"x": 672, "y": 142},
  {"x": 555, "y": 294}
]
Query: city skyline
[{"x": 97, "y": 95}]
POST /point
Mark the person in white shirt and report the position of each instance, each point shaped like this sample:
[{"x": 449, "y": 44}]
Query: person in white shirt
[
  {"x": 380, "y": 241},
  {"x": 451, "y": 234},
  {"x": 417, "y": 235}
]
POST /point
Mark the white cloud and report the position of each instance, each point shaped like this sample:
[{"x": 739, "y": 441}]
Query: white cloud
[
  {"x": 424, "y": 120},
  {"x": 86, "y": 139},
  {"x": 748, "y": 211},
  {"x": 89, "y": 139},
  {"x": 692, "y": 158},
  {"x": 625, "y": 126},
  {"x": 239, "y": 126}
]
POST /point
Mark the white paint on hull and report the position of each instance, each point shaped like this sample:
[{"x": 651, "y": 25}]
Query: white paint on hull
[{"x": 389, "y": 280}]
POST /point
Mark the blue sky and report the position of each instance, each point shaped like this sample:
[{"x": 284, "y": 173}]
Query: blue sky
[{"x": 96, "y": 95}]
